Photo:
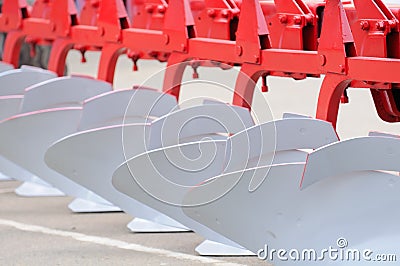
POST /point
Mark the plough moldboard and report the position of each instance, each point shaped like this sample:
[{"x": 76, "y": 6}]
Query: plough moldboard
[{"x": 211, "y": 168}]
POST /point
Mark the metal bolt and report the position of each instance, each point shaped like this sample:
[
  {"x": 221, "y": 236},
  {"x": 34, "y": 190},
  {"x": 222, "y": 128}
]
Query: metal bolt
[
  {"x": 256, "y": 59},
  {"x": 211, "y": 13},
  {"x": 342, "y": 68},
  {"x": 183, "y": 47},
  {"x": 149, "y": 8},
  {"x": 283, "y": 19},
  {"x": 392, "y": 24},
  {"x": 166, "y": 38},
  {"x": 95, "y": 3},
  {"x": 101, "y": 31},
  {"x": 161, "y": 9},
  {"x": 225, "y": 13},
  {"x": 239, "y": 50},
  {"x": 297, "y": 20},
  {"x": 309, "y": 19},
  {"x": 322, "y": 60},
  {"x": 364, "y": 25},
  {"x": 380, "y": 25}
]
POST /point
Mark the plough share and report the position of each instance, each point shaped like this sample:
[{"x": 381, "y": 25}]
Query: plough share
[{"x": 289, "y": 183}]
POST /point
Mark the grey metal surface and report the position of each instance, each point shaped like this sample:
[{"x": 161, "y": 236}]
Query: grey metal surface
[
  {"x": 159, "y": 178},
  {"x": 25, "y": 137},
  {"x": 125, "y": 107},
  {"x": 261, "y": 144},
  {"x": 90, "y": 157},
  {"x": 357, "y": 154},
  {"x": 10, "y": 105},
  {"x": 126, "y": 184},
  {"x": 284, "y": 217},
  {"x": 62, "y": 92},
  {"x": 15, "y": 81},
  {"x": 207, "y": 119},
  {"x": 251, "y": 228}
]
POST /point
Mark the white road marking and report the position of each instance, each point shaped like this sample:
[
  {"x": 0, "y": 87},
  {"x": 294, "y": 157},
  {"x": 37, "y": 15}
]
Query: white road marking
[{"x": 109, "y": 242}]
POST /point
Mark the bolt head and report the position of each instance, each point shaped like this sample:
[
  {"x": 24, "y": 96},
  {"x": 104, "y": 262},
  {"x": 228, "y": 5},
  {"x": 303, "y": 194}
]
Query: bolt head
[
  {"x": 380, "y": 25},
  {"x": 149, "y": 8},
  {"x": 297, "y": 20},
  {"x": 95, "y": 3},
  {"x": 53, "y": 27},
  {"x": 211, "y": 13},
  {"x": 239, "y": 50},
  {"x": 101, "y": 31},
  {"x": 161, "y": 9},
  {"x": 309, "y": 19},
  {"x": 322, "y": 60},
  {"x": 166, "y": 38},
  {"x": 225, "y": 13},
  {"x": 183, "y": 47},
  {"x": 392, "y": 24},
  {"x": 256, "y": 59},
  {"x": 283, "y": 19},
  {"x": 364, "y": 25}
]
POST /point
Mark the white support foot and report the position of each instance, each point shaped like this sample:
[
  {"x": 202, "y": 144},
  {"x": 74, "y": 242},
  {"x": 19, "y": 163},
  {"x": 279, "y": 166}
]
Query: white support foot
[
  {"x": 138, "y": 225},
  {"x": 212, "y": 248},
  {"x": 33, "y": 189},
  {"x": 4, "y": 177},
  {"x": 79, "y": 205}
]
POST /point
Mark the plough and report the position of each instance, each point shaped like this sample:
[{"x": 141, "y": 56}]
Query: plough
[{"x": 212, "y": 168}]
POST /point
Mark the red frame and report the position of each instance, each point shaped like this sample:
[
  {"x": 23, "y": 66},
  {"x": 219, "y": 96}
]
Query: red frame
[{"x": 354, "y": 45}]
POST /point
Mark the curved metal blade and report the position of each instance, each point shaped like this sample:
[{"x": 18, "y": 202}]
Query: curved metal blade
[
  {"x": 62, "y": 92},
  {"x": 126, "y": 107},
  {"x": 160, "y": 178},
  {"x": 25, "y": 138},
  {"x": 282, "y": 216},
  {"x": 184, "y": 124},
  {"x": 14, "y": 171},
  {"x": 264, "y": 144},
  {"x": 292, "y": 115},
  {"x": 358, "y": 154},
  {"x": 10, "y": 105},
  {"x": 90, "y": 157},
  {"x": 234, "y": 205},
  {"x": 39, "y": 133},
  {"x": 142, "y": 166},
  {"x": 15, "y": 81},
  {"x": 158, "y": 174}
]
